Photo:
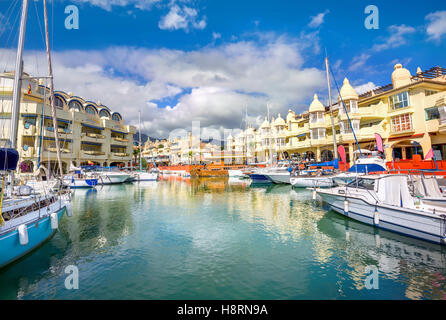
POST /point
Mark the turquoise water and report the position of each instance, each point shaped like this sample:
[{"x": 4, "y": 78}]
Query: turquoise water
[{"x": 220, "y": 239}]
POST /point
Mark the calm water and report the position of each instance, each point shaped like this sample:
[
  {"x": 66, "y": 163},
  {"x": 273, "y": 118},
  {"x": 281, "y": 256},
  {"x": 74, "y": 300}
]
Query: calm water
[{"x": 219, "y": 239}]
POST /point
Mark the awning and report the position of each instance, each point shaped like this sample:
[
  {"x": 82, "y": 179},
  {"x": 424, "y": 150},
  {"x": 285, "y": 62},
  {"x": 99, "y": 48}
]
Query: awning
[
  {"x": 117, "y": 146},
  {"x": 29, "y": 115},
  {"x": 8, "y": 159},
  {"x": 116, "y": 131},
  {"x": 333, "y": 163},
  {"x": 302, "y": 135},
  {"x": 94, "y": 127},
  {"x": 60, "y": 120}
]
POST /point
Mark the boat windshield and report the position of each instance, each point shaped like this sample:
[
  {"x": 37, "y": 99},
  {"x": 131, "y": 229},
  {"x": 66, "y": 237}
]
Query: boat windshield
[{"x": 363, "y": 183}]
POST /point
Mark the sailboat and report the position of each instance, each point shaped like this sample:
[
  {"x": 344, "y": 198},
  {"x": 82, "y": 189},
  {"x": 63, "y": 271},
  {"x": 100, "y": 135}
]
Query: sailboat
[
  {"x": 141, "y": 175},
  {"x": 27, "y": 218}
]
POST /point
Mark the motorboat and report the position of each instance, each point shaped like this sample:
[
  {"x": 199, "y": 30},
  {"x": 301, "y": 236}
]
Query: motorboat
[
  {"x": 145, "y": 176},
  {"x": 386, "y": 202},
  {"x": 313, "y": 179},
  {"x": 279, "y": 174}
]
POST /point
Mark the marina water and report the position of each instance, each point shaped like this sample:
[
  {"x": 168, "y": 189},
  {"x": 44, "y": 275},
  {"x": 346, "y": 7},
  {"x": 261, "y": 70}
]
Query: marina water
[{"x": 220, "y": 239}]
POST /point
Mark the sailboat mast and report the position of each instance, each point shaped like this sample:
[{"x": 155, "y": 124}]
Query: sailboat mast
[
  {"x": 139, "y": 138},
  {"x": 51, "y": 85},
  {"x": 335, "y": 147},
  {"x": 17, "y": 77}
]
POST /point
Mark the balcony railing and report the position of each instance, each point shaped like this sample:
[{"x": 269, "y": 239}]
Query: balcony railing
[{"x": 95, "y": 135}]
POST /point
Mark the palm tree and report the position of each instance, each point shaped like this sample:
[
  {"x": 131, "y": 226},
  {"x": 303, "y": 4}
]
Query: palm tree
[{"x": 190, "y": 157}]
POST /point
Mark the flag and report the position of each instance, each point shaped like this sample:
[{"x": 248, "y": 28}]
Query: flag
[
  {"x": 379, "y": 142},
  {"x": 29, "y": 88},
  {"x": 90, "y": 163},
  {"x": 341, "y": 152},
  {"x": 430, "y": 154}
]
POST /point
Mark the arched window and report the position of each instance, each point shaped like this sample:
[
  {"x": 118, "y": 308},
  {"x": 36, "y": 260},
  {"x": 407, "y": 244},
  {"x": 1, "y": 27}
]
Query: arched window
[
  {"x": 74, "y": 105},
  {"x": 104, "y": 113},
  {"x": 59, "y": 102},
  {"x": 90, "y": 110},
  {"x": 116, "y": 117}
]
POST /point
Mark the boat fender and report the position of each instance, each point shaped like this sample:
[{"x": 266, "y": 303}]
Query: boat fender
[
  {"x": 314, "y": 194},
  {"x": 346, "y": 205},
  {"x": 54, "y": 221},
  {"x": 69, "y": 208},
  {"x": 23, "y": 234},
  {"x": 376, "y": 217}
]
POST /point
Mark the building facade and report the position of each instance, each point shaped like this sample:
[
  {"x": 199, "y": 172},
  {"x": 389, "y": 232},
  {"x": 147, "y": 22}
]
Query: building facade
[
  {"x": 409, "y": 114},
  {"x": 89, "y": 132}
]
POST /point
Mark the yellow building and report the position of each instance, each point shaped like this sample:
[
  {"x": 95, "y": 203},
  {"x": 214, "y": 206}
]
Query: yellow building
[{"x": 89, "y": 132}]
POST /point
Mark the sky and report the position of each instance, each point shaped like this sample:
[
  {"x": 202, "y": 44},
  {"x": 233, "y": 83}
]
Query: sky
[{"x": 179, "y": 61}]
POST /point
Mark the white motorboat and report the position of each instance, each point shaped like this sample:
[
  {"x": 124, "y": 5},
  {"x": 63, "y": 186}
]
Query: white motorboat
[
  {"x": 279, "y": 174},
  {"x": 312, "y": 181},
  {"x": 145, "y": 176},
  {"x": 368, "y": 163},
  {"x": 111, "y": 177},
  {"x": 236, "y": 173},
  {"x": 385, "y": 201}
]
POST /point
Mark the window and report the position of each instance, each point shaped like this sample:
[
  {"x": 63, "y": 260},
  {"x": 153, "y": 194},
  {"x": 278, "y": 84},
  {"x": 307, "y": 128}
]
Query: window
[
  {"x": 430, "y": 92},
  {"x": 346, "y": 128},
  {"x": 74, "y": 105},
  {"x": 368, "y": 184},
  {"x": 318, "y": 133},
  {"x": 116, "y": 117},
  {"x": 58, "y": 102},
  {"x": 351, "y": 106},
  {"x": 402, "y": 123},
  {"x": 398, "y": 101},
  {"x": 432, "y": 113},
  {"x": 104, "y": 113}
]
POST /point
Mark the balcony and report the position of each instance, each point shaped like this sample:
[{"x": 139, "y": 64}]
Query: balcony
[
  {"x": 92, "y": 154},
  {"x": 28, "y": 153},
  {"x": 95, "y": 135},
  {"x": 119, "y": 139},
  {"x": 120, "y": 154}
]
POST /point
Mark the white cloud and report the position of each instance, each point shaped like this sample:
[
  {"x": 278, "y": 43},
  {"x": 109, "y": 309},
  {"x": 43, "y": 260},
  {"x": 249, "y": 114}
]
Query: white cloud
[
  {"x": 109, "y": 4},
  {"x": 436, "y": 27},
  {"x": 396, "y": 37},
  {"x": 359, "y": 62},
  {"x": 211, "y": 84},
  {"x": 216, "y": 35},
  {"x": 181, "y": 18},
  {"x": 318, "y": 19}
]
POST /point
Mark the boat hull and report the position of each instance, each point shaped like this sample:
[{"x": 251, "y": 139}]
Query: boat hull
[
  {"x": 279, "y": 178},
  {"x": 146, "y": 176},
  {"x": 259, "y": 178},
  {"x": 316, "y": 182},
  {"x": 113, "y": 179},
  {"x": 408, "y": 222},
  {"x": 81, "y": 183},
  {"x": 39, "y": 231}
]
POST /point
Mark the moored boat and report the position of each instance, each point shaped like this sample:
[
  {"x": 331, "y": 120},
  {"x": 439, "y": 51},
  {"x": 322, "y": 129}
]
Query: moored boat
[{"x": 385, "y": 201}]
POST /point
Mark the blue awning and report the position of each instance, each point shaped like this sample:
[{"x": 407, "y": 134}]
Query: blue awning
[
  {"x": 8, "y": 159},
  {"x": 90, "y": 126},
  {"x": 29, "y": 115},
  {"x": 302, "y": 135},
  {"x": 119, "y": 132},
  {"x": 333, "y": 163},
  {"x": 117, "y": 146}
]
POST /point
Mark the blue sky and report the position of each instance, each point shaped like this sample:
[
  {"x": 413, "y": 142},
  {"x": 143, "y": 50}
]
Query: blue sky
[{"x": 182, "y": 60}]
